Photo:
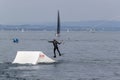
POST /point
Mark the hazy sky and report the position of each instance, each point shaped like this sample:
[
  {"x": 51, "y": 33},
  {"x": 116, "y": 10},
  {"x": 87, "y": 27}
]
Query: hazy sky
[{"x": 38, "y": 11}]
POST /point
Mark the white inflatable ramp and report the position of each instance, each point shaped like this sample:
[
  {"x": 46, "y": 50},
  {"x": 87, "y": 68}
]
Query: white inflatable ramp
[{"x": 32, "y": 57}]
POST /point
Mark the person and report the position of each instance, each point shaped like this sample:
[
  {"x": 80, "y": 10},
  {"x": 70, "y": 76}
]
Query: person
[
  {"x": 55, "y": 44},
  {"x": 15, "y": 40}
]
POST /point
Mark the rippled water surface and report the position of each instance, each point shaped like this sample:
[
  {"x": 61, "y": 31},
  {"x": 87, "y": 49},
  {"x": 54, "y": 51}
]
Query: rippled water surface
[{"x": 86, "y": 56}]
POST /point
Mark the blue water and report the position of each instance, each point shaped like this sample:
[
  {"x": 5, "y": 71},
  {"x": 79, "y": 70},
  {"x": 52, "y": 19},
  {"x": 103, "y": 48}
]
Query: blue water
[{"x": 86, "y": 56}]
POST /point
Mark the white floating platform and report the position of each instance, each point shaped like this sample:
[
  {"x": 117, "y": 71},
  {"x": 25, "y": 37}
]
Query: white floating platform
[{"x": 32, "y": 57}]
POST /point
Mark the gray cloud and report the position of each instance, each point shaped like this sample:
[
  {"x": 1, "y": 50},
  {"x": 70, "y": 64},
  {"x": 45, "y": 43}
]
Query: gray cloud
[{"x": 37, "y": 11}]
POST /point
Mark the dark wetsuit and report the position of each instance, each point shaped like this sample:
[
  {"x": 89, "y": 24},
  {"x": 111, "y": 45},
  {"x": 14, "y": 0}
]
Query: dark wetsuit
[{"x": 55, "y": 44}]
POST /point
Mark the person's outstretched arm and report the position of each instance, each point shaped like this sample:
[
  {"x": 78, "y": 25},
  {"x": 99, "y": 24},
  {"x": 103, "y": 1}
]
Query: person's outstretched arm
[
  {"x": 50, "y": 41},
  {"x": 59, "y": 42}
]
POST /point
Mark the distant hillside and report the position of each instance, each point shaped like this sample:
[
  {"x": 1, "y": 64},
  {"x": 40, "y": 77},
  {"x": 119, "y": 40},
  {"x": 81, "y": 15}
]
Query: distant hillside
[
  {"x": 97, "y": 25},
  {"x": 79, "y": 26}
]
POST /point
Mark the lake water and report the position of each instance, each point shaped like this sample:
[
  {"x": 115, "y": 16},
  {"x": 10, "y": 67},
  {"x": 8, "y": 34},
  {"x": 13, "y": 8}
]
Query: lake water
[{"x": 86, "y": 56}]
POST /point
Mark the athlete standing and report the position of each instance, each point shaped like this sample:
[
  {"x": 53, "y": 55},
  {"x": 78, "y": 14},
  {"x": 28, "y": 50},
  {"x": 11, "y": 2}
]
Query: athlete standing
[{"x": 55, "y": 44}]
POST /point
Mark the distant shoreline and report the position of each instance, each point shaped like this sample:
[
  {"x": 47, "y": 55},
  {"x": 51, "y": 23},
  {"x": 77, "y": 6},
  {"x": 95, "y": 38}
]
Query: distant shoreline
[{"x": 71, "y": 26}]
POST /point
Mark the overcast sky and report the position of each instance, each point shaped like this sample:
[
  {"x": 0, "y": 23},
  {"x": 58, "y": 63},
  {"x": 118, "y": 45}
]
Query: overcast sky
[{"x": 38, "y": 11}]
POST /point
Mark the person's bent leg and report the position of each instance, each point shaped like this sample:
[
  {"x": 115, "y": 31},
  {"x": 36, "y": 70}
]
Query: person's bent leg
[
  {"x": 54, "y": 53},
  {"x": 59, "y": 52}
]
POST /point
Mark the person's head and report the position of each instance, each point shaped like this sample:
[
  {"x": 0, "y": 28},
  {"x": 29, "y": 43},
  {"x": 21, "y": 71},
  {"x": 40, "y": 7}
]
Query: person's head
[{"x": 54, "y": 39}]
